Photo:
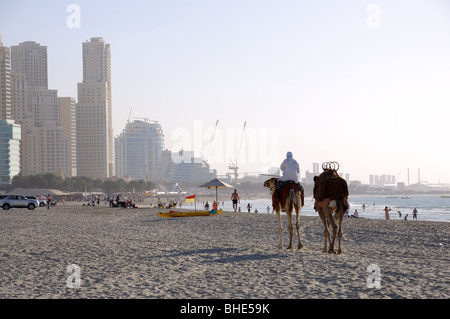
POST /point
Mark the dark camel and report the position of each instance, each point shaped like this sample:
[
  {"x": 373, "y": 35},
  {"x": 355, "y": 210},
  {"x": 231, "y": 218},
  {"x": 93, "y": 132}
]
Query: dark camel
[{"x": 331, "y": 202}]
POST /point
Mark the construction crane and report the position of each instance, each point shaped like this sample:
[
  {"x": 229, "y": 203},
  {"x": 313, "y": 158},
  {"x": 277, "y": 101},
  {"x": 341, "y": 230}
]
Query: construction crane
[
  {"x": 146, "y": 119},
  {"x": 205, "y": 158},
  {"x": 233, "y": 165},
  {"x": 129, "y": 115}
]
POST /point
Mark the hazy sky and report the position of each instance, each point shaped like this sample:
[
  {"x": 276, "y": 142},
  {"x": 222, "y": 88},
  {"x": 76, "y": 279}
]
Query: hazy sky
[{"x": 364, "y": 83}]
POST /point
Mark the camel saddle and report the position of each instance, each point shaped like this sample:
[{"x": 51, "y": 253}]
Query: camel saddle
[{"x": 330, "y": 185}]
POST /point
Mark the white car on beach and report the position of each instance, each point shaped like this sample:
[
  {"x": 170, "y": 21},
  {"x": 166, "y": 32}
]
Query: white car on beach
[
  {"x": 42, "y": 202},
  {"x": 19, "y": 201}
]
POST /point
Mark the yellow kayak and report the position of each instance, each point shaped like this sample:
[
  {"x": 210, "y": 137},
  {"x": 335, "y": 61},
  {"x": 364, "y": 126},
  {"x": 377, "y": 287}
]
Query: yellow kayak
[{"x": 172, "y": 213}]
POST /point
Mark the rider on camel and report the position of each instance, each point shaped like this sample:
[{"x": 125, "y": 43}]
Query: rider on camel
[
  {"x": 291, "y": 172},
  {"x": 290, "y": 169}
]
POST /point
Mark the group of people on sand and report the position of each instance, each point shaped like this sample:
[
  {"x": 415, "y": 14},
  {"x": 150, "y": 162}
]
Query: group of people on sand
[
  {"x": 214, "y": 206},
  {"x": 354, "y": 215},
  {"x": 127, "y": 202}
]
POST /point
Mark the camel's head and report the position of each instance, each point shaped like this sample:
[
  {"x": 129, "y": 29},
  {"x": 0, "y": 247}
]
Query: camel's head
[{"x": 271, "y": 183}]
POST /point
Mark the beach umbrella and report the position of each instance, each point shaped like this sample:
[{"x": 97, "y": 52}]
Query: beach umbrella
[{"x": 216, "y": 183}]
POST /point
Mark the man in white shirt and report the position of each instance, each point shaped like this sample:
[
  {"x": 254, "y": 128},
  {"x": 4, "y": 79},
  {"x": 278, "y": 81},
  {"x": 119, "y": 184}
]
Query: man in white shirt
[
  {"x": 290, "y": 169},
  {"x": 291, "y": 172}
]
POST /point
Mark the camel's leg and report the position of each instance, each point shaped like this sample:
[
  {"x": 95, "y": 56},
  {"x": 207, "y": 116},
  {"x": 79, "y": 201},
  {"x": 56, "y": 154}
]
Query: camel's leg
[
  {"x": 280, "y": 227},
  {"x": 339, "y": 222},
  {"x": 327, "y": 236},
  {"x": 326, "y": 233},
  {"x": 297, "y": 217},
  {"x": 290, "y": 226},
  {"x": 334, "y": 226},
  {"x": 339, "y": 240},
  {"x": 329, "y": 218}
]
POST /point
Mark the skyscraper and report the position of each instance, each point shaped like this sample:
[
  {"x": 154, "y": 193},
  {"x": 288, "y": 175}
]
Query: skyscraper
[
  {"x": 5, "y": 82},
  {"x": 95, "y": 142},
  {"x": 67, "y": 119},
  {"x": 30, "y": 58},
  {"x": 139, "y": 150},
  {"x": 10, "y": 133},
  {"x": 44, "y": 147}
]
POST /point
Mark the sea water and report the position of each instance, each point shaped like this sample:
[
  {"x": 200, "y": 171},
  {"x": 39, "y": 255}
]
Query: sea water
[{"x": 429, "y": 207}]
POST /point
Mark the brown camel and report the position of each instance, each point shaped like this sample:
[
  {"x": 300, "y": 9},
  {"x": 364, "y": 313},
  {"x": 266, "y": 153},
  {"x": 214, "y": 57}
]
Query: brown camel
[
  {"x": 288, "y": 198},
  {"x": 331, "y": 202}
]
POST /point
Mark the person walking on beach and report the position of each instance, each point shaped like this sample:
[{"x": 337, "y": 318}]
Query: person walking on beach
[
  {"x": 49, "y": 200},
  {"x": 386, "y": 212},
  {"x": 235, "y": 199},
  {"x": 415, "y": 214},
  {"x": 249, "y": 207}
]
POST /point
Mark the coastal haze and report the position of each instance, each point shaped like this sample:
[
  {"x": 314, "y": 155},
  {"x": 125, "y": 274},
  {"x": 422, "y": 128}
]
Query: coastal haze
[{"x": 362, "y": 83}]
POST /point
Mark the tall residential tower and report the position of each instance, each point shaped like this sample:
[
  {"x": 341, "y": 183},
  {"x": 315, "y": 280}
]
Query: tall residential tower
[
  {"x": 45, "y": 147},
  {"x": 5, "y": 82},
  {"x": 10, "y": 132},
  {"x": 139, "y": 150},
  {"x": 95, "y": 142}
]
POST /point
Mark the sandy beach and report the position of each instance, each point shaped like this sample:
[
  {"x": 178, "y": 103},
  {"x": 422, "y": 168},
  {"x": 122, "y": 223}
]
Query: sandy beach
[{"x": 134, "y": 253}]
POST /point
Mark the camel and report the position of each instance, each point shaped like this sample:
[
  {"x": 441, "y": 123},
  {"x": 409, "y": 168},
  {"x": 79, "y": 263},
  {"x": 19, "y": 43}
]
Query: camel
[
  {"x": 288, "y": 198},
  {"x": 331, "y": 202}
]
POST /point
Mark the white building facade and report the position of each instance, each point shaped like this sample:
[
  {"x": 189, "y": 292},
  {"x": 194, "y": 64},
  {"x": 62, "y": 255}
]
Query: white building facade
[{"x": 10, "y": 135}]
